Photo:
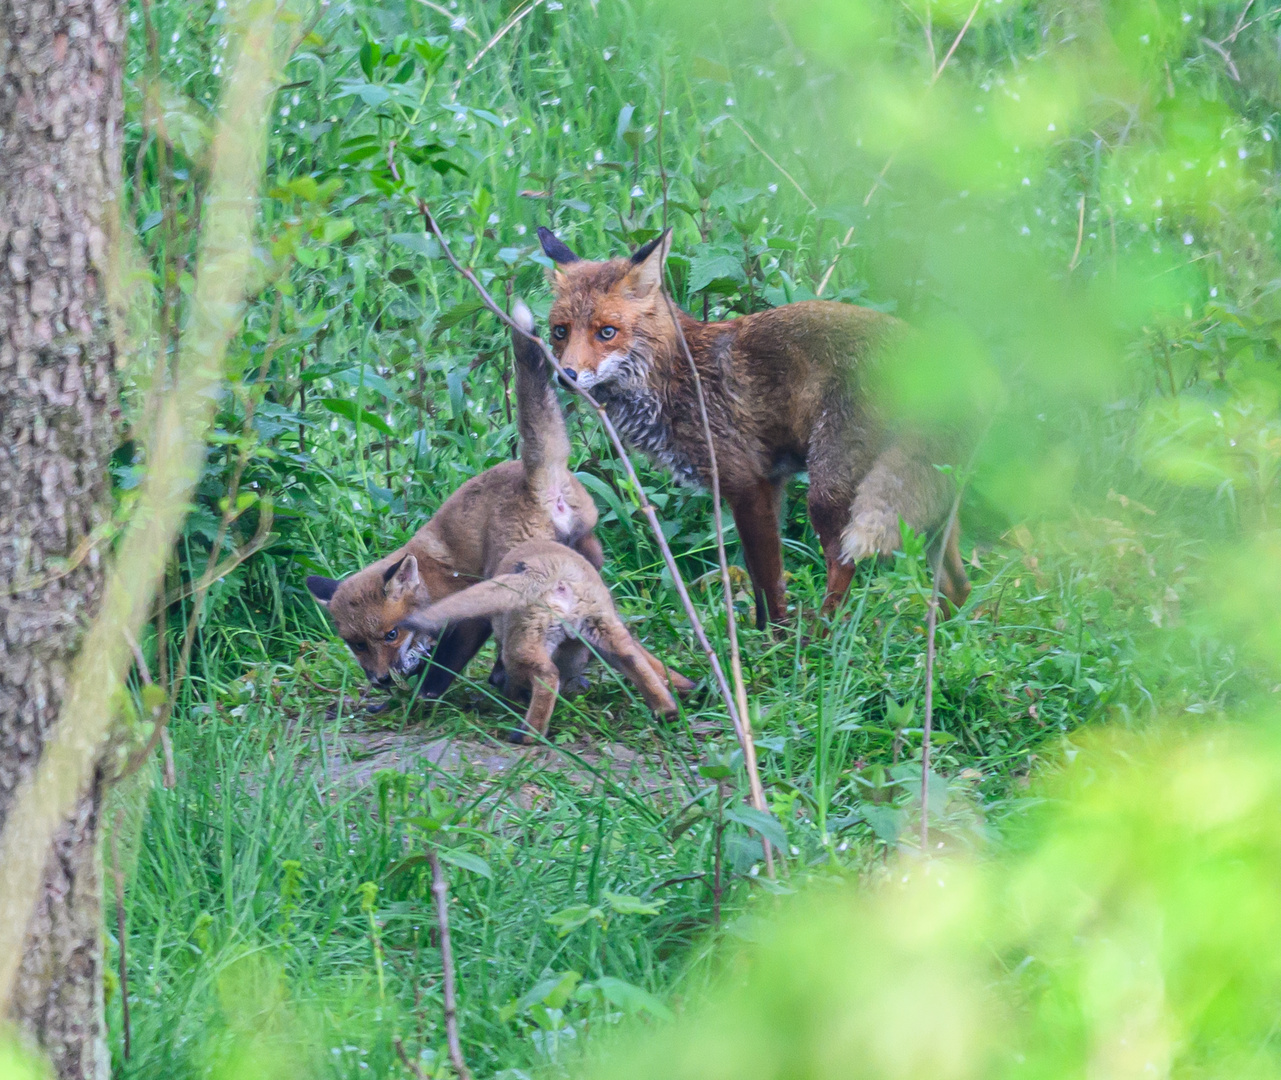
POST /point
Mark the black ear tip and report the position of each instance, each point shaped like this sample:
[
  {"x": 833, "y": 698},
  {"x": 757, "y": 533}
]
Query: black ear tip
[
  {"x": 322, "y": 588},
  {"x": 647, "y": 249},
  {"x": 555, "y": 248}
]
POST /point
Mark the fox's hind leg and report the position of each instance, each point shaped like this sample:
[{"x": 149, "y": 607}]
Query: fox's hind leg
[
  {"x": 945, "y": 559},
  {"x": 533, "y": 668},
  {"x": 902, "y": 487},
  {"x": 669, "y": 676},
  {"x": 828, "y": 518},
  {"x": 619, "y": 649}
]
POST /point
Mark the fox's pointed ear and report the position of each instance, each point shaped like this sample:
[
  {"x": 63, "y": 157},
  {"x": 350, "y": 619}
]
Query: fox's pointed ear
[
  {"x": 322, "y": 588},
  {"x": 555, "y": 248},
  {"x": 646, "y": 274},
  {"x": 401, "y": 578}
]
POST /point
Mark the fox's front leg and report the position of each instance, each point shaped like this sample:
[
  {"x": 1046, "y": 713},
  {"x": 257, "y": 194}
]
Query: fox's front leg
[{"x": 756, "y": 516}]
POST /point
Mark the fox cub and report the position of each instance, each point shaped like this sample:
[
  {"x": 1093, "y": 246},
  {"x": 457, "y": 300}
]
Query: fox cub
[
  {"x": 785, "y": 391},
  {"x": 535, "y": 498},
  {"x": 549, "y": 608}
]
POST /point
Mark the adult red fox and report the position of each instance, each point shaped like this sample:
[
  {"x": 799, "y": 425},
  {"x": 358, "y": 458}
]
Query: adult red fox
[
  {"x": 548, "y": 605},
  {"x": 786, "y": 390},
  {"x": 536, "y": 497}
]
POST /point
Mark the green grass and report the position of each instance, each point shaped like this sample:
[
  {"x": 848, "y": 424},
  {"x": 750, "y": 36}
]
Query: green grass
[{"x": 250, "y": 935}]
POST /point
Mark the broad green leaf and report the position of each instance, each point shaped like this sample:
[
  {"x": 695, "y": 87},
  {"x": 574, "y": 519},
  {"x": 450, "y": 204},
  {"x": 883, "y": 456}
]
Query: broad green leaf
[
  {"x": 766, "y": 824},
  {"x": 467, "y": 861},
  {"x": 631, "y": 905},
  {"x": 357, "y": 415}
]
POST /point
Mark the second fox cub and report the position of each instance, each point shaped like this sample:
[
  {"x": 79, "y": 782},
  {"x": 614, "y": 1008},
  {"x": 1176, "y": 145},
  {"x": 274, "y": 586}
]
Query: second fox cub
[
  {"x": 786, "y": 390},
  {"x": 536, "y": 497},
  {"x": 550, "y": 609}
]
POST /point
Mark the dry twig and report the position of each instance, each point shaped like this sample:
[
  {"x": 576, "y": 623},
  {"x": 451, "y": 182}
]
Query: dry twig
[
  {"x": 731, "y": 623},
  {"x": 440, "y": 891},
  {"x": 651, "y": 515}
]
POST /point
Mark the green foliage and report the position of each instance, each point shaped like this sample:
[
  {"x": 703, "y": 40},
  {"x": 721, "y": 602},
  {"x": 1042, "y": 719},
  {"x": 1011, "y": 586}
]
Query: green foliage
[{"x": 1119, "y": 935}]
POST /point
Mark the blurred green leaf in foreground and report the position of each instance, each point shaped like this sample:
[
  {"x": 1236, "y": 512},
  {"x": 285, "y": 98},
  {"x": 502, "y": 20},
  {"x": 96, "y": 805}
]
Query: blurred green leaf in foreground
[{"x": 1131, "y": 933}]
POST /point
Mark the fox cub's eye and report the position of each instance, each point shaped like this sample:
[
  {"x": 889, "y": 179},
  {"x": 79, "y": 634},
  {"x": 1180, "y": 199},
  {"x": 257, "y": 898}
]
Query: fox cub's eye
[
  {"x": 391, "y": 634},
  {"x": 560, "y": 332},
  {"x": 606, "y": 333}
]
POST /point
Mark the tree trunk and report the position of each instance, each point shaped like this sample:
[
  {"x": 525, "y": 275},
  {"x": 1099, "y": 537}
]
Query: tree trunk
[{"x": 60, "y": 146}]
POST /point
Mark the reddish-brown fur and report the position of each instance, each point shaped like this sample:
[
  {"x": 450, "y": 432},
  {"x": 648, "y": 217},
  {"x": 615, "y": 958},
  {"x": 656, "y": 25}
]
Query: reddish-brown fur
[
  {"x": 785, "y": 389},
  {"x": 549, "y": 608},
  {"x": 536, "y": 498}
]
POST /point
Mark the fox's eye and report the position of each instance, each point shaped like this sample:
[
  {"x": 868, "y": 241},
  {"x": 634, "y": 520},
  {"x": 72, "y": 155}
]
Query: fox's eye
[
  {"x": 356, "y": 646},
  {"x": 606, "y": 333},
  {"x": 391, "y": 634},
  {"x": 560, "y": 332}
]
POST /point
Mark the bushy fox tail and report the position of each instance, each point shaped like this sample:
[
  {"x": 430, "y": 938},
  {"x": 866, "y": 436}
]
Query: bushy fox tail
[
  {"x": 544, "y": 442},
  {"x": 483, "y": 600}
]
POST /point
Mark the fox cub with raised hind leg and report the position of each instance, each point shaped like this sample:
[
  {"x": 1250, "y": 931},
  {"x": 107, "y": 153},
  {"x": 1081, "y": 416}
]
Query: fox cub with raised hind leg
[
  {"x": 786, "y": 390},
  {"x": 550, "y": 609},
  {"x": 535, "y": 498}
]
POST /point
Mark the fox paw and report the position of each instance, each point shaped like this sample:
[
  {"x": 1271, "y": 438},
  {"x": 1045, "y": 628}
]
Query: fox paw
[{"x": 871, "y": 532}]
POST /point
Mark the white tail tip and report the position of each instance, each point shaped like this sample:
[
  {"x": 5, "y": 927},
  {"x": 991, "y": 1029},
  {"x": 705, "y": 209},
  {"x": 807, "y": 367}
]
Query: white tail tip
[{"x": 522, "y": 316}]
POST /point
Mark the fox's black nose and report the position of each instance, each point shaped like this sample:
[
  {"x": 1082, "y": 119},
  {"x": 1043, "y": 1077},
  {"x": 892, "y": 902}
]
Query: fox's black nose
[
  {"x": 570, "y": 374},
  {"x": 379, "y": 680}
]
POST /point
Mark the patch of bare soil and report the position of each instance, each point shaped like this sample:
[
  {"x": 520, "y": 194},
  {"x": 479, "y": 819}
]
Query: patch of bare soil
[{"x": 349, "y": 759}]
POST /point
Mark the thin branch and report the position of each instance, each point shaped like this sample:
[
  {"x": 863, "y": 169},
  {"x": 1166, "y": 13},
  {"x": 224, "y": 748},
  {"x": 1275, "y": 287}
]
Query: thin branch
[
  {"x": 731, "y": 622},
  {"x": 938, "y": 71},
  {"x": 500, "y": 34},
  {"x": 452, "y": 17},
  {"x": 766, "y": 154},
  {"x": 405, "y": 1059},
  {"x": 651, "y": 515},
  {"x": 440, "y": 891}
]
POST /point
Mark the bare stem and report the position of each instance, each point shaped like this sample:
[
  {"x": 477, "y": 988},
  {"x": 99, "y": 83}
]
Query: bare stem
[
  {"x": 731, "y": 622},
  {"x": 440, "y": 891}
]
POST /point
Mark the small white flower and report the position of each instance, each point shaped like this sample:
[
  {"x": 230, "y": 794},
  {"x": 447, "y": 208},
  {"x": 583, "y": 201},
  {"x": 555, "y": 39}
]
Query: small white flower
[
  {"x": 1243, "y": 153},
  {"x": 1050, "y": 128},
  {"x": 520, "y": 230},
  {"x": 637, "y": 192},
  {"x": 608, "y": 54},
  {"x": 729, "y": 101},
  {"x": 565, "y": 127},
  {"x": 1026, "y": 231},
  {"x": 175, "y": 37},
  {"x": 599, "y": 155},
  {"x": 773, "y": 189},
  {"x": 1187, "y": 16},
  {"x": 458, "y": 22},
  {"x": 1027, "y": 182},
  {"x": 1188, "y": 238},
  {"x": 1214, "y": 291}
]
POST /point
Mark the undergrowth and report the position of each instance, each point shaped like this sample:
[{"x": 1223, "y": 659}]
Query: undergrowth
[{"x": 277, "y": 899}]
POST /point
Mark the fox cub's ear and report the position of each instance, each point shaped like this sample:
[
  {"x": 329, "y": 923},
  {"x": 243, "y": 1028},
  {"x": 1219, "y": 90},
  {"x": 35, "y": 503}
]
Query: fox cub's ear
[
  {"x": 646, "y": 274},
  {"x": 555, "y": 248},
  {"x": 401, "y": 578},
  {"x": 322, "y": 588}
]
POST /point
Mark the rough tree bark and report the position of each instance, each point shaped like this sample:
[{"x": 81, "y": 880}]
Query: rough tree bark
[{"x": 60, "y": 146}]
